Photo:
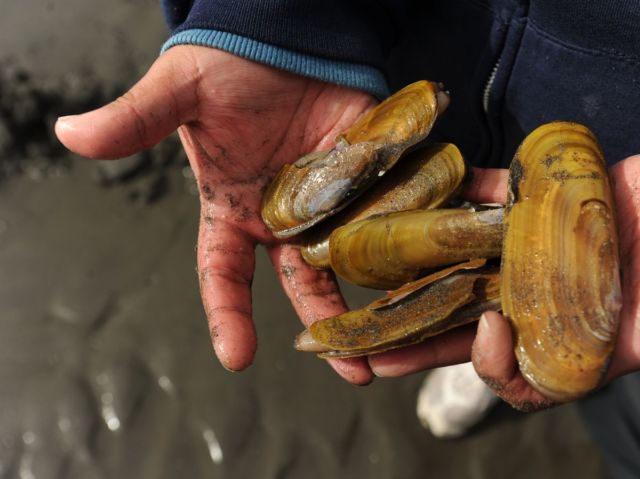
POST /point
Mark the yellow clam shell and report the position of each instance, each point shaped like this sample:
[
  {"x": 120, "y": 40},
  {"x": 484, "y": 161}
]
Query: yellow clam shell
[
  {"x": 321, "y": 183},
  {"x": 426, "y": 178},
  {"x": 560, "y": 275},
  {"x": 416, "y": 311},
  {"x": 559, "y": 282},
  {"x": 386, "y": 251}
]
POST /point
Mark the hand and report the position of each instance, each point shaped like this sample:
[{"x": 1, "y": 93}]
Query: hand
[
  {"x": 239, "y": 122},
  {"x": 490, "y": 344}
]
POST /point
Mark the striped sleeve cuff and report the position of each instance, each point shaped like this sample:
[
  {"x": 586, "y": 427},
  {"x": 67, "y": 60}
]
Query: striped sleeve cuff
[{"x": 353, "y": 75}]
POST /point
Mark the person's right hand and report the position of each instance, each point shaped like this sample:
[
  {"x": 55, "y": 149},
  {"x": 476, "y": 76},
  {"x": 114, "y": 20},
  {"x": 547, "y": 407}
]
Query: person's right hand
[
  {"x": 490, "y": 344},
  {"x": 239, "y": 122}
]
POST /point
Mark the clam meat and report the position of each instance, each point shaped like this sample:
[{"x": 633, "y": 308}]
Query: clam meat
[{"x": 321, "y": 183}]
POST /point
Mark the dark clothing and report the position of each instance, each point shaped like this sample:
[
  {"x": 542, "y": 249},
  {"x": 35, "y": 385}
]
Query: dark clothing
[
  {"x": 558, "y": 60},
  {"x": 613, "y": 417},
  {"x": 544, "y": 70},
  {"x": 353, "y": 31},
  {"x": 510, "y": 65}
]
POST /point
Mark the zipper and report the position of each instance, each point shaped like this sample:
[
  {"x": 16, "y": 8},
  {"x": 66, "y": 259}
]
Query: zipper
[{"x": 487, "y": 88}]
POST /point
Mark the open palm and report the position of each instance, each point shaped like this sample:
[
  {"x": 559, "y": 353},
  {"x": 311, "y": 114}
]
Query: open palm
[{"x": 239, "y": 122}]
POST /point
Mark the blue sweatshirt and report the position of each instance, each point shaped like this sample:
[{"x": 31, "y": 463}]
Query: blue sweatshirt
[{"x": 510, "y": 64}]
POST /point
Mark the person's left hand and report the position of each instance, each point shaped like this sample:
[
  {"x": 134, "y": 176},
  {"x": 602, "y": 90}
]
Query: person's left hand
[
  {"x": 490, "y": 344},
  {"x": 239, "y": 122}
]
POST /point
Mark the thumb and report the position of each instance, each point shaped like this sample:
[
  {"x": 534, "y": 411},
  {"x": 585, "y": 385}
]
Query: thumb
[
  {"x": 495, "y": 362},
  {"x": 162, "y": 100}
]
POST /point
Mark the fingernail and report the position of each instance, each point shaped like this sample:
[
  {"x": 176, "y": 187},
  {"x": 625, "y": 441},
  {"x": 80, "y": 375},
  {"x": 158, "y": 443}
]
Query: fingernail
[
  {"x": 378, "y": 372},
  {"x": 66, "y": 123},
  {"x": 482, "y": 340},
  {"x": 484, "y": 328},
  {"x": 382, "y": 370},
  {"x": 373, "y": 367},
  {"x": 221, "y": 353}
]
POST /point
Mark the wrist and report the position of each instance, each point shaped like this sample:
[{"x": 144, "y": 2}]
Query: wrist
[{"x": 352, "y": 75}]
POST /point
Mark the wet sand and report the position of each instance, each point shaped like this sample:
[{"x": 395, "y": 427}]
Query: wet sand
[{"x": 106, "y": 367}]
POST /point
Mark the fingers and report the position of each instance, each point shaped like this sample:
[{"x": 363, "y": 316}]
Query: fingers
[
  {"x": 452, "y": 347},
  {"x": 496, "y": 364},
  {"x": 314, "y": 295},
  {"x": 625, "y": 176},
  {"x": 226, "y": 261},
  {"x": 489, "y": 185},
  {"x": 163, "y": 99},
  {"x": 491, "y": 353}
]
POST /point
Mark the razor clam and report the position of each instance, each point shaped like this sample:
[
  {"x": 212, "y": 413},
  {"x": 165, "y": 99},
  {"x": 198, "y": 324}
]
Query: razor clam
[
  {"x": 416, "y": 311},
  {"x": 560, "y": 275},
  {"x": 387, "y": 251},
  {"x": 426, "y": 178},
  {"x": 321, "y": 183}
]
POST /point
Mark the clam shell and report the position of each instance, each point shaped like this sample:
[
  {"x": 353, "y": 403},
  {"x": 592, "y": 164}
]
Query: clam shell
[
  {"x": 387, "y": 251},
  {"x": 426, "y": 178},
  {"x": 321, "y": 183},
  {"x": 414, "y": 312},
  {"x": 560, "y": 274}
]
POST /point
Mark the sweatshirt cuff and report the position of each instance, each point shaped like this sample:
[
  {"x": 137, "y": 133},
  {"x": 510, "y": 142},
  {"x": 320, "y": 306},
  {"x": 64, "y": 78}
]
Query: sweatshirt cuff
[{"x": 353, "y": 75}]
